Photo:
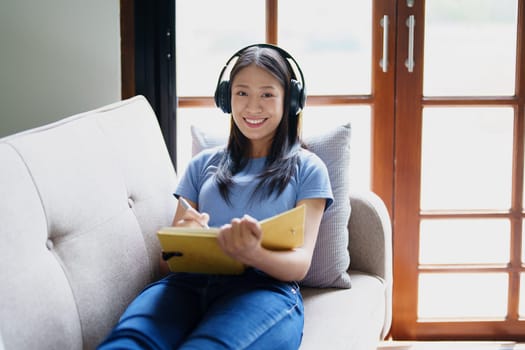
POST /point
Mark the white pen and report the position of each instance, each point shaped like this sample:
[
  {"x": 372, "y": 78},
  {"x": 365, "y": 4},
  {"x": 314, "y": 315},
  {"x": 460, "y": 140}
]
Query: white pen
[{"x": 187, "y": 206}]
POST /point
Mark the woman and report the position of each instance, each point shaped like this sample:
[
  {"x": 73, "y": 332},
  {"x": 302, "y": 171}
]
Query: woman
[{"x": 263, "y": 171}]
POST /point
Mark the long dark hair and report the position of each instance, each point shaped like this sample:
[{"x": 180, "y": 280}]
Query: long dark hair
[{"x": 283, "y": 157}]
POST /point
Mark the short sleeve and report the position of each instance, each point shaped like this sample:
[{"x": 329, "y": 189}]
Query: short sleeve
[
  {"x": 201, "y": 167},
  {"x": 314, "y": 181}
]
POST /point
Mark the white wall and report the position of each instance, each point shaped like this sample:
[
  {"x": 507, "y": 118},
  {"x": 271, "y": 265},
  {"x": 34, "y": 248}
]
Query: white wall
[{"x": 57, "y": 58}]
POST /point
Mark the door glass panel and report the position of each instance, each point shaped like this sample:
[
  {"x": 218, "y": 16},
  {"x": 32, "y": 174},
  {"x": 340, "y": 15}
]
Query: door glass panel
[
  {"x": 466, "y": 158},
  {"x": 464, "y": 241},
  {"x": 331, "y": 40},
  {"x": 522, "y": 296},
  {"x": 462, "y": 296},
  {"x": 523, "y": 243},
  {"x": 318, "y": 120},
  {"x": 208, "y": 33},
  {"x": 470, "y": 47}
]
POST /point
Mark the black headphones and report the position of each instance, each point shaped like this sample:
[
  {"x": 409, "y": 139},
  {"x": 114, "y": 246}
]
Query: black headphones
[{"x": 297, "y": 93}]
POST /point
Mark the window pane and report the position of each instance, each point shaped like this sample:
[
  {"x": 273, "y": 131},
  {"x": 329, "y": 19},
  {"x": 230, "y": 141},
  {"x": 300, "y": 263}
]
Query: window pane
[
  {"x": 464, "y": 241},
  {"x": 208, "y": 33},
  {"x": 463, "y": 296},
  {"x": 523, "y": 243},
  {"x": 470, "y": 47},
  {"x": 522, "y": 297},
  {"x": 331, "y": 40},
  {"x": 466, "y": 158},
  {"x": 320, "y": 119}
]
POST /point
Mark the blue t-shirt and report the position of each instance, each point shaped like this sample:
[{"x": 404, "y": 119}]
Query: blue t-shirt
[{"x": 199, "y": 185}]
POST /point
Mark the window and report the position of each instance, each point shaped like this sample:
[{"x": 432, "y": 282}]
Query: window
[
  {"x": 336, "y": 61},
  {"x": 458, "y": 197}
]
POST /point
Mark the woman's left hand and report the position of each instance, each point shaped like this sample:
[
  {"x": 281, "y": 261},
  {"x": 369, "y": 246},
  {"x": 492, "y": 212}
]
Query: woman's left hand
[{"x": 241, "y": 239}]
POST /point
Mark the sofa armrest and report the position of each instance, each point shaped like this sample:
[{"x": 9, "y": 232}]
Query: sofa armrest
[
  {"x": 370, "y": 243},
  {"x": 370, "y": 240}
]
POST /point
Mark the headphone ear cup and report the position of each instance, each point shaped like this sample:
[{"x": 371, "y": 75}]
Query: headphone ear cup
[
  {"x": 297, "y": 97},
  {"x": 223, "y": 96}
]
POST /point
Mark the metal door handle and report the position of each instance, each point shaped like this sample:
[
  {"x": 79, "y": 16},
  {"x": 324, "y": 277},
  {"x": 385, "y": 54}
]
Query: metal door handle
[
  {"x": 409, "y": 63},
  {"x": 384, "y": 61}
]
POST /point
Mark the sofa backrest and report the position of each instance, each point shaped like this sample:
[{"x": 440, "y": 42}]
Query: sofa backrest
[{"x": 80, "y": 202}]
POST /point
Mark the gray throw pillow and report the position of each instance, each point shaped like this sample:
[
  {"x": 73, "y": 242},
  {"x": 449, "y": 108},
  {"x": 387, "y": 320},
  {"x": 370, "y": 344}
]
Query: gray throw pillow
[{"x": 331, "y": 258}]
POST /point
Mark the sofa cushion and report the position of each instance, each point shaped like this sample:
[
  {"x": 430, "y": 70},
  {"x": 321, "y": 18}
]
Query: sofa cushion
[
  {"x": 331, "y": 257},
  {"x": 32, "y": 281},
  {"x": 80, "y": 202},
  {"x": 344, "y": 318}
]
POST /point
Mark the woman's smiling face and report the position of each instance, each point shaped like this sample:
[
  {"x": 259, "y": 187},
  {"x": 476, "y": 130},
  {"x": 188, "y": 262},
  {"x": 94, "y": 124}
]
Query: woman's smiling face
[{"x": 257, "y": 106}]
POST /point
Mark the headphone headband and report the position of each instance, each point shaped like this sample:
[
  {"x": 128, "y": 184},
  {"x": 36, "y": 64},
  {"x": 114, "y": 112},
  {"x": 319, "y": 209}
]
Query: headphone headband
[{"x": 297, "y": 93}]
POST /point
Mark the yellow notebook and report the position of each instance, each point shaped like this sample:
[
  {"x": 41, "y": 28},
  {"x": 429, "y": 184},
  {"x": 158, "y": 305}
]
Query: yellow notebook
[{"x": 197, "y": 249}]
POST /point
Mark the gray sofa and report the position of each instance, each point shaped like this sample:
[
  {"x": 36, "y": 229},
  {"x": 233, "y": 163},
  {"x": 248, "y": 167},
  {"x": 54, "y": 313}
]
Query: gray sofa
[{"x": 80, "y": 202}]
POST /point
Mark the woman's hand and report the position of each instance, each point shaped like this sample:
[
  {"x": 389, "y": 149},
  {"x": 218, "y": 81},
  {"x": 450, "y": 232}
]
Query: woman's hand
[
  {"x": 192, "y": 218},
  {"x": 185, "y": 216},
  {"x": 241, "y": 239}
]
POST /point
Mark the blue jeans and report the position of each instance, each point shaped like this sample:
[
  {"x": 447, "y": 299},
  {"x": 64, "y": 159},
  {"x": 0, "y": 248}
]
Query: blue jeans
[{"x": 192, "y": 311}]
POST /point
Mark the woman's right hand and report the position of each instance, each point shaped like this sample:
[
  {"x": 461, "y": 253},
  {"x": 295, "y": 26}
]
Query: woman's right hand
[{"x": 192, "y": 218}]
